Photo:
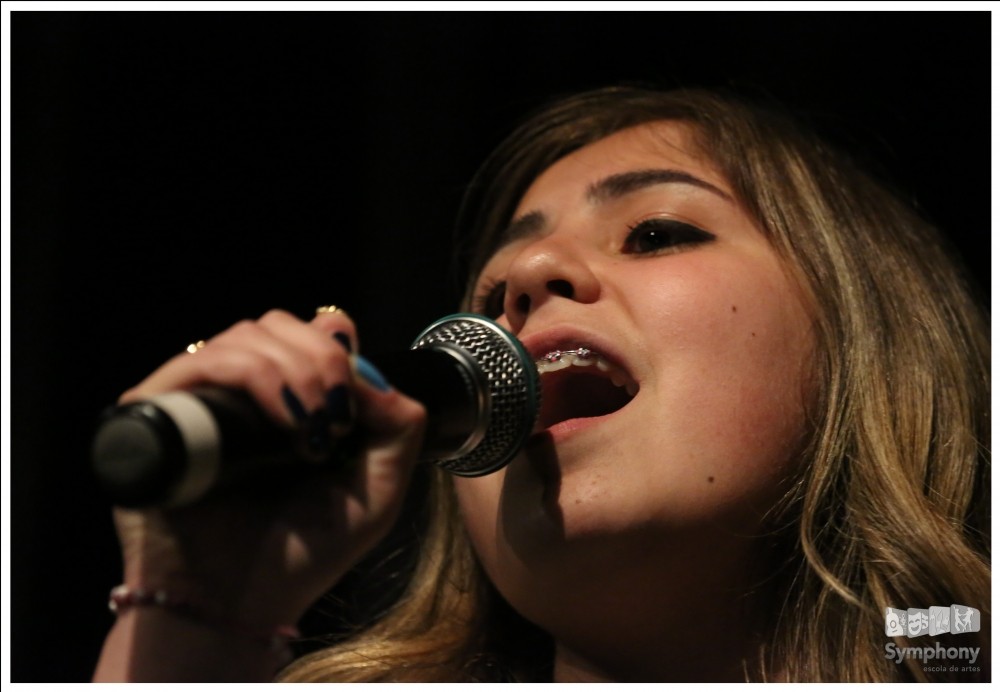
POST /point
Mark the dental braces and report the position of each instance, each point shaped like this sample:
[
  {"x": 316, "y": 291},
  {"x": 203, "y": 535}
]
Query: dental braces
[
  {"x": 553, "y": 356},
  {"x": 585, "y": 357}
]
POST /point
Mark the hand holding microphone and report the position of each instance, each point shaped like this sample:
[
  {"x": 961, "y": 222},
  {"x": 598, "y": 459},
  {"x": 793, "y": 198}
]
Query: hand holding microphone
[{"x": 477, "y": 383}]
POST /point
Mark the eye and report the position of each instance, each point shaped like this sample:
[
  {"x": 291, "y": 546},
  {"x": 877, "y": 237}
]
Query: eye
[
  {"x": 489, "y": 299},
  {"x": 655, "y": 235}
]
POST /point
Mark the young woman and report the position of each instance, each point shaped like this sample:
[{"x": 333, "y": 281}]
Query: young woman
[{"x": 765, "y": 421}]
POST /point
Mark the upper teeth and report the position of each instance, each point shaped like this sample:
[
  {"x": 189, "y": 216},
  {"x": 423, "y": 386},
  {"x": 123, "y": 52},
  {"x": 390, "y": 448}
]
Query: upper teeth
[{"x": 584, "y": 357}]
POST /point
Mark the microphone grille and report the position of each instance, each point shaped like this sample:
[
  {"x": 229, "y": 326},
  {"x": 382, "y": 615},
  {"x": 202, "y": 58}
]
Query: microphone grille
[{"x": 514, "y": 392}]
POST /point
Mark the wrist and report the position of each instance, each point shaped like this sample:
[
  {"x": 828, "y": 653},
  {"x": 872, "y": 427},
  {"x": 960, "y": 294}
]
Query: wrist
[
  {"x": 213, "y": 596},
  {"x": 161, "y": 603}
]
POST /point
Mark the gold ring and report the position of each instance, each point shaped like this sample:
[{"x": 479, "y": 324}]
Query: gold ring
[
  {"x": 330, "y": 309},
  {"x": 196, "y": 346}
]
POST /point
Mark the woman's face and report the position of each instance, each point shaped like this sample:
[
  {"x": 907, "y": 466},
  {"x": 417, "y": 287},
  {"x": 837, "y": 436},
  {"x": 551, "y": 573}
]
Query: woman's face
[{"x": 668, "y": 448}]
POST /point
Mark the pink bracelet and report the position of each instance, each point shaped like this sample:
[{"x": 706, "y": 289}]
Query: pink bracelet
[{"x": 124, "y": 597}]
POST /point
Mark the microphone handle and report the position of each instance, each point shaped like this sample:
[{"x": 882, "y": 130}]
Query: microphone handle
[{"x": 174, "y": 448}]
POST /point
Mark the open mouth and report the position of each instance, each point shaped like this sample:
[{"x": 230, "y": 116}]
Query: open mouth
[{"x": 580, "y": 383}]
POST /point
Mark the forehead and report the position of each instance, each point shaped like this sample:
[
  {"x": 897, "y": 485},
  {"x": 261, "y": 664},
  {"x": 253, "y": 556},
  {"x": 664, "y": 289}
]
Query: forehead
[{"x": 656, "y": 145}]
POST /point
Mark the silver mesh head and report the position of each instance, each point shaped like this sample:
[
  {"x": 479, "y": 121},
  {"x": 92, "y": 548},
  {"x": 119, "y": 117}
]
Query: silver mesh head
[{"x": 514, "y": 390}]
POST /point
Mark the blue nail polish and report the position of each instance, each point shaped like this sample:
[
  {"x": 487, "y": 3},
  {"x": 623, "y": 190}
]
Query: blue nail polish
[
  {"x": 338, "y": 404},
  {"x": 344, "y": 340},
  {"x": 293, "y": 404},
  {"x": 370, "y": 374}
]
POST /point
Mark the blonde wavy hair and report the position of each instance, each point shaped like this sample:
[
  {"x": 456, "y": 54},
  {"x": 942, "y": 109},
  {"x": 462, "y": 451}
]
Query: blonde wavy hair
[{"x": 891, "y": 505}]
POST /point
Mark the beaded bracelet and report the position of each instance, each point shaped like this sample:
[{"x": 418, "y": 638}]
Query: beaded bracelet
[{"x": 123, "y": 597}]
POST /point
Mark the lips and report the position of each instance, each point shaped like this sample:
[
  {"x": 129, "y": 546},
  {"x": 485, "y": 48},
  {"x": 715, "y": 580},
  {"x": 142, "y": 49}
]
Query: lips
[{"x": 580, "y": 383}]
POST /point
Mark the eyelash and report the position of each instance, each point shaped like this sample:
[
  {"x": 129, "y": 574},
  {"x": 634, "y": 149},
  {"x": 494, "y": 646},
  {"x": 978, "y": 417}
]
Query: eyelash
[
  {"x": 489, "y": 299},
  {"x": 671, "y": 235},
  {"x": 668, "y": 235}
]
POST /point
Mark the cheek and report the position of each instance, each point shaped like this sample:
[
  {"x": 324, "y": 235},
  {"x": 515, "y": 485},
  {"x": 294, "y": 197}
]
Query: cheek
[
  {"x": 724, "y": 314},
  {"x": 737, "y": 347}
]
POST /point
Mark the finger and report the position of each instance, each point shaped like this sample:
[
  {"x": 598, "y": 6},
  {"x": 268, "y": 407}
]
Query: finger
[
  {"x": 265, "y": 358},
  {"x": 333, "y": 413},
  {"x": 318, "y": 344},
  {"x": 222, "y": 366},
  {"x": 276, "y": 337},
  {"x": 394, "y": 426},
  {"x": 336, "y": 323}
]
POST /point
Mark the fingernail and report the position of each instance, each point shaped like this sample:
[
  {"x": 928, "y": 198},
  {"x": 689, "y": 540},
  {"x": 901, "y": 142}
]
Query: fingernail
[
  {"x": 338, "y": 404},
  {"x": 370, "y": 374},
  {"x": 294, "y": 406},
  {"x": 344, "y": 340}
]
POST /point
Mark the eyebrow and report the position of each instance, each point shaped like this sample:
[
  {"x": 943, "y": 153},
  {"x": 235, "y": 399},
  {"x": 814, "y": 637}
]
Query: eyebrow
[
  {"x": 621, "y": 184},
  {"x": 611, "y": 188}
]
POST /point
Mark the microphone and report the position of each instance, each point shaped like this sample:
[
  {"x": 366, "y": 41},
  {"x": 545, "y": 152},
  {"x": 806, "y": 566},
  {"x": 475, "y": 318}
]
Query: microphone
[{"x": 479, "y": 386}]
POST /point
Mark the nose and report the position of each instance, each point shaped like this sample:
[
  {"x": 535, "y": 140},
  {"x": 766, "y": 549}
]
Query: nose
[{"x": 548, "y": 270}]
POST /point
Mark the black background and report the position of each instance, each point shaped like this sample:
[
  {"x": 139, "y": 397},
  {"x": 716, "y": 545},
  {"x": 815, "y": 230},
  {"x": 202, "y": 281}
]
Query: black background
[{"x": 176, "y": 172}]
